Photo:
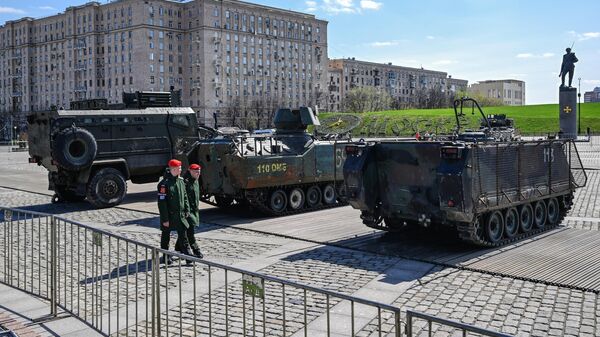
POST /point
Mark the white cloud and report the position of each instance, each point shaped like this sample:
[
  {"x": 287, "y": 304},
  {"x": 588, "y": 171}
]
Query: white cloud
[
  {"x": 370, "y": 4},
  {"x": 11, "y": 10},
  {"x": 537, "y": 56},
  {"x": 592, "y": 82},
  {"x": 339, "y": 6},
  {"x": 443, "y": 62},
  {"x": 524, "y": 55},
  {"x": 343, "y": 6},
  {"x": 430, "y": 37},
  {"x": 383, "y": 43},
  {"x": 584, "y": 36},
  {"x": 47, "y": 8}
]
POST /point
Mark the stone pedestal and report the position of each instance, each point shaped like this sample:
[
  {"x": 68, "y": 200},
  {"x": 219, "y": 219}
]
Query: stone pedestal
[{"x": 568, "y": 112}]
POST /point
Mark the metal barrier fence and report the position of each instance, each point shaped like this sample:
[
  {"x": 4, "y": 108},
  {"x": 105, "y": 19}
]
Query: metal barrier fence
[
  {"x": 465, "y": 328},
  {"x": 118, "y": 286}
]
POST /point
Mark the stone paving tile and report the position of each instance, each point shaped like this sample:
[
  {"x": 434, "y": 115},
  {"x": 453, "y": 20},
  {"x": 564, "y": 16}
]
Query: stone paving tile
[
  {"x": 328, "y": 268},
  {"x": 498, "y": 303},
  {"x": 96, "y": 277}
]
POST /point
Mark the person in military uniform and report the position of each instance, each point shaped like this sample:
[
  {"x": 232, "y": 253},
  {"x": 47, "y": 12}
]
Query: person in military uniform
[
  {"x": 193, "y": 194},
  {"x": 174, "y": 209}
]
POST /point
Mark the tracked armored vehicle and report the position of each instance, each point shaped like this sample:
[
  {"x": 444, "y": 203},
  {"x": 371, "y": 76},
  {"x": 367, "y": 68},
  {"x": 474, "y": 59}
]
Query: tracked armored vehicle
[
  {"x": 281, "y": 172},
  {"x": 491, "y": 190}
]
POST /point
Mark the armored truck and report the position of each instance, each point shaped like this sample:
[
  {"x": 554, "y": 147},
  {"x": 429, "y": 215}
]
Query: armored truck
[
  {"x": 92, "y": 153},
  {"x": 281, "y": 172},
  {"x": 491, "y": 190}
]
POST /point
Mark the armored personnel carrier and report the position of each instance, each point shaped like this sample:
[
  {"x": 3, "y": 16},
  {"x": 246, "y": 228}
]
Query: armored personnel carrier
[
  {"x": 491, "y": 190},
  {"x": 91, "y": 153},
  {"x": 281, "y": 172}
]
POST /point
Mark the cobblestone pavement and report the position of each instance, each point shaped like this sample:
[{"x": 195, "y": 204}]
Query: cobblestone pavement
[{"x": 499, "y": 303}]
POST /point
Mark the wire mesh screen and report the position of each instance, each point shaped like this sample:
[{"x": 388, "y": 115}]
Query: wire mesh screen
[
  {"x": 578, "y": 175},
  {"x": 506, "y": 173}
]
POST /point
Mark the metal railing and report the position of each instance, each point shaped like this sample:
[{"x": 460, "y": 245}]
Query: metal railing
[
  {"x": 118, "y": 286},
  {"x": 465, "y": 328}
]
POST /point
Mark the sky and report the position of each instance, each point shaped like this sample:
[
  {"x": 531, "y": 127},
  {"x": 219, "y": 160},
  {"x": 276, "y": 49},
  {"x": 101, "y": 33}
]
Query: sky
[{"x": 469, "y": 39}]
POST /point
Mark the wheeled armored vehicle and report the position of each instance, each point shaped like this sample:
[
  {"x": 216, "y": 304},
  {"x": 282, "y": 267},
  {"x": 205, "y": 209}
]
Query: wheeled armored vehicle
[
  {"x": 492, "y": 190},
  {"x": 281, "y": 172},
  {"x": 91, "y": 153}
]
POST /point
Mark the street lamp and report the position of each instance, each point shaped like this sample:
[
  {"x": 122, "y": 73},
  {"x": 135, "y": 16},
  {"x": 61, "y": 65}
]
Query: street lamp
[{"x": 579, "y": 108}]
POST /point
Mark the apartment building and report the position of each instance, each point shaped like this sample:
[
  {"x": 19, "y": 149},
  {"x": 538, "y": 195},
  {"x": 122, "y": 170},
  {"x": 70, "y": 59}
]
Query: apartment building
[
  {"x": 216, "y": 52},
  {"x": 511, "y": 92},
  {"x": 592, "y": 96},
  {"x": 403, "y": 84}
]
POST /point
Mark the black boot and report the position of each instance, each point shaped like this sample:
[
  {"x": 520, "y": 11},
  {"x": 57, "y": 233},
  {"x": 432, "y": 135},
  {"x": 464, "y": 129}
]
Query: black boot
[
  {"x": 198, "y": 253},
  {"x": 166, "y": 258}
]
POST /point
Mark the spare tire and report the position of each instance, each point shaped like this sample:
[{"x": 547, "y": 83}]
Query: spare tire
[{"x": 74, "y": 148}]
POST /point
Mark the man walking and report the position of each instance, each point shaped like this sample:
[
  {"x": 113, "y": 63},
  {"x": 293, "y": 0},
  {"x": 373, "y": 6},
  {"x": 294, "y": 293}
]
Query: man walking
[
  {"x": 193, "y": 194},
  {"x": 174, "y": 208}
]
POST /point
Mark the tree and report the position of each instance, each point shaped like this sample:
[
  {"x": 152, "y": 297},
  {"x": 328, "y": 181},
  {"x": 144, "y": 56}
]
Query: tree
[{"x": 367, "y": 99}]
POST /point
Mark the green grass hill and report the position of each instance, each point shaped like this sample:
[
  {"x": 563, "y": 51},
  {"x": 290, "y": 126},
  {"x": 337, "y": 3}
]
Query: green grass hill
[{"x": 529, "y": 119}]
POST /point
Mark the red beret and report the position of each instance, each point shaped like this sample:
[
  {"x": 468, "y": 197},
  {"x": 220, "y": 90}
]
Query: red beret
[
  {"x": 195, "y": 167},
  {"x": 174, "y": 163}
]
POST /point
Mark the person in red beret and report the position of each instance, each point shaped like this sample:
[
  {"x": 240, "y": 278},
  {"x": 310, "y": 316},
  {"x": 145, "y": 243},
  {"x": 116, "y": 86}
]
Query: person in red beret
[
  {"x": 174, "y": 209},
  {"x": 193, "y": 193}
]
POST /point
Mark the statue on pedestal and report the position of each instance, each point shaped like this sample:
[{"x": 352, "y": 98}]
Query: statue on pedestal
[{"x": 567, "y": 66}]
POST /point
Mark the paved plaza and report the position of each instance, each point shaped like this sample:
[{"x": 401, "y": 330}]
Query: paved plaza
[{"x": 319, "y": 251}]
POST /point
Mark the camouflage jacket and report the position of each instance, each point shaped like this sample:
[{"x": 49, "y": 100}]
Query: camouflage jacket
[{"x": 193, "y": 193}]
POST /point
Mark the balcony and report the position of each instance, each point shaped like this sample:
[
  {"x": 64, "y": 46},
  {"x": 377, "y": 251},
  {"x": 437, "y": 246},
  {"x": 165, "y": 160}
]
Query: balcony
[
  {"x": 16, "y": 56},
  {"x": 80, "y": 88},
  {"x": 79, "y": 45},
  {"x": 80, "y": 66},
  {"x": 16, "y": 94}
]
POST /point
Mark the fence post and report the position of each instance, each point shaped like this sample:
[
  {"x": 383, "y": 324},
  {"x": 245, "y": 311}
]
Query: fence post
[
  {"x": 397, "y": 323},
  {"x": 155, "y": 293},
  {"x": 408, "y": 323},
  {"x": 53, "y": 270}
]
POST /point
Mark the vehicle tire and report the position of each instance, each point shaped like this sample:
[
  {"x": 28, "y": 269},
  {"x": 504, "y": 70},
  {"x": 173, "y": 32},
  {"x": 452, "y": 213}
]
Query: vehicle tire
[
  {"x": 66, "y": 195},
  {"x": 223, "y": 202},
  {"x": 526, "y": 218},
  {"x": 494, "y": 226},
  {"x": 511, "y": 222},
  {"x": 107, "y": 188},
  {"x": 296, "y": 199},
  {"x": 313, "y": 196},
  {"x": 278, "y": 201},
  {"x": 553, "y": 211},
  {"x": 539, "y": 214},
  {"x": 329, "y": 196},
  {"x": 74, "y": 148}
]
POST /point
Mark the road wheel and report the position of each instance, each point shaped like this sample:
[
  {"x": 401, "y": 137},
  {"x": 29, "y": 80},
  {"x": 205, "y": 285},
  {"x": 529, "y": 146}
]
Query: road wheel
[
  {"x": 278, "y": 201},
  {"x": 511, "y": 222},
  {"x": 494, "y": 226},
  {"x": 107, "y": 188},
  {"x": 74, "y": 148},
  {"x": 539, "y": 214},
  {"x": 526, "y": 218},
  {"x": 553, "y": 211},
  {"x": 313, "y": 196},
  {"x": 329, "y": 196},
  {"x": 223, "y": 202},
  {"x": 67, "y": 195},
  {"x": 296, "y": 198}
]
